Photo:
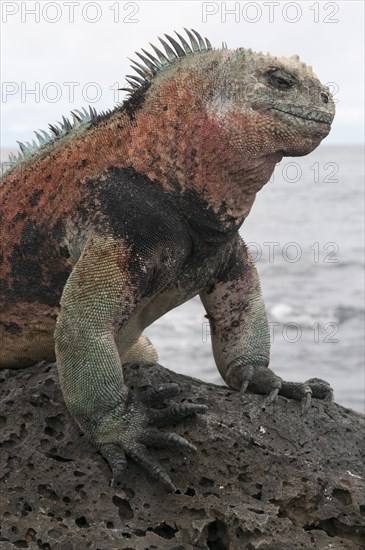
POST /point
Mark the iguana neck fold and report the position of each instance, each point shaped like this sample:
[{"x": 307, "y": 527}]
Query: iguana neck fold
[{"x": 193, "y": 153}]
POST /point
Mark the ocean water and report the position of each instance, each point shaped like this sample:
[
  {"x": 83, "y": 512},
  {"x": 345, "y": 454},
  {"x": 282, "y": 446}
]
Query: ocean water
[{"x": 305, "y": 232}]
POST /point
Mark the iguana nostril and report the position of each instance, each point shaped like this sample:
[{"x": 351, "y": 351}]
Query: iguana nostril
[{"x": 324, "y": 97}]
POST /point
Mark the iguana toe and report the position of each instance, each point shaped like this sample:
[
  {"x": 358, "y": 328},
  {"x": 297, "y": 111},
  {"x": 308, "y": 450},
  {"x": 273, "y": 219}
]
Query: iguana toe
[
  {"x": 161, "y": 440},
  {"x": 116, "y": 459},
  {"x": 174, "y": 413},
  {"x": 154, "y": 469},
  {"x": 154, "y": 396},
  {"x": 320, "y": 389},
  {"x": 258, "y": 379}
]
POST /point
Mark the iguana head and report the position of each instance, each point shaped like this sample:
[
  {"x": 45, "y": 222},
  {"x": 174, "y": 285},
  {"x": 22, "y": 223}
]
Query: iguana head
[
  {"x": 279, "y": 102},
  {"x": 264, "y": 103},
  {"x": 219, "y": 120}
]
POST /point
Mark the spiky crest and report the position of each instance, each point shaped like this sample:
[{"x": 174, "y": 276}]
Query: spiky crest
[
  {"x": 173, "y": 52},
  {"x": 146, "y": 71},
  {"x": 79, "y": 118}
]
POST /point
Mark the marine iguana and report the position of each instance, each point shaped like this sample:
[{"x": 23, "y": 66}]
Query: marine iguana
[{"x": 119, "y": 217}]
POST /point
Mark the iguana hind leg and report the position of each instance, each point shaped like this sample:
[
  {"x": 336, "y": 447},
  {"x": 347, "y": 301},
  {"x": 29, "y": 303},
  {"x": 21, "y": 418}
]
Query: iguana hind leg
[{"x": 98, "y": 300}]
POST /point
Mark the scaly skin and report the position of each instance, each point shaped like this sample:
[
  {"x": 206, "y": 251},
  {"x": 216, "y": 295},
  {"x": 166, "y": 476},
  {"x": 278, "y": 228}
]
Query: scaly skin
[{"x": 117, "y": 221}]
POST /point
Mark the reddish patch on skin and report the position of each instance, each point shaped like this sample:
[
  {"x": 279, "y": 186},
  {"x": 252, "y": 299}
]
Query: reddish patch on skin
[
  {"x": 177, "y": 139},
  {"x": 173, "y": 137},
  {"x": 60, "y": 173}
]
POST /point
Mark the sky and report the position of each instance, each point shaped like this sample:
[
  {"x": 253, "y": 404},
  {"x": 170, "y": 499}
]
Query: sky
[{"x": 60, "y": 56}]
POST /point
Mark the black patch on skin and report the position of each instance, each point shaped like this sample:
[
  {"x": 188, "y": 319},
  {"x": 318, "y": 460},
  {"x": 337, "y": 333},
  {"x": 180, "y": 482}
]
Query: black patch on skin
[
  {"x": 32, "y": 239},
  {"x": 178, "y": 235},
  {"x": 12, "y": 328},
  {"x": 4, "y": 286},
  {"x": 204, "y": 225},
  {"x": 130, "y": 199},
  {"x": 64, "y": 252},
  {"x": 58, "y": 231},
  {"x": 34, "y": 199},
  {"x": 28, "y": 283},
  {"x": 208, "y": 290},
  {"x": 236, "y": 265},
  {"x": 19, "y": 216},
  {"x": 83, "y": 214},
  {"x": 27, "y": 275},
  {"x": 134, "y": 207},
  {"x": 37, "y": 270},
  {"x": 137, "y": 211}
]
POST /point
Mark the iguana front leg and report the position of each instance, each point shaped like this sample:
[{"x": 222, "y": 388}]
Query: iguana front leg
[
  {"x": 240, "y": 333},
  {"x": 99, "y": 298}
]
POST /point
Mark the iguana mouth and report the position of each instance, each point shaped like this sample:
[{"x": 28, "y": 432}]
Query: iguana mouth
[{"x": 313, "y": 116}]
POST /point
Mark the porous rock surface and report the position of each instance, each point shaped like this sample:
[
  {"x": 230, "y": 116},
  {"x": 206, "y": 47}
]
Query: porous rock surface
[{"x": 260, "y": 479}]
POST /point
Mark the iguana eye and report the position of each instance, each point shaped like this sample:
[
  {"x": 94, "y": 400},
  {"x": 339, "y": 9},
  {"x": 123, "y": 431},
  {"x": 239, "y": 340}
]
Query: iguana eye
[{"x": 280, "y": 79}]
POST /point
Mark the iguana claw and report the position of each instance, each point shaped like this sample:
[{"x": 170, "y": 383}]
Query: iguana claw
[
  {"x": 271, "y": 397},
  {"x": 247, "y": 376},
  {"x": 152, "y": 467},
  {"x": 132, "y": 436},
  {"x": 116, "y": 460}
]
